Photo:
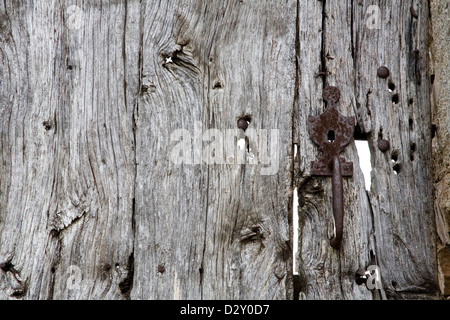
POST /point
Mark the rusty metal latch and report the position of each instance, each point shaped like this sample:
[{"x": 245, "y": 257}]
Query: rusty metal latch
[{"x": 331, "y": 132}]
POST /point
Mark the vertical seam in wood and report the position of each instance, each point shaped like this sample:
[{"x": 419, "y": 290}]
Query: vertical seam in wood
[
  {"x": 355, "y": 72},
  {"x": 207, "y": 189},
  {"x": 205, "y": 233},
  {"x": 323, "y": 60},
  {"x": 297, "y": 82},
  {"x": 131, "y": 260},
  {"x": 51, "y": 291},
  {"x": 352, "y": 20},
  {"x": 124, "y": 52},
  {"x": 294, "y": 141}
]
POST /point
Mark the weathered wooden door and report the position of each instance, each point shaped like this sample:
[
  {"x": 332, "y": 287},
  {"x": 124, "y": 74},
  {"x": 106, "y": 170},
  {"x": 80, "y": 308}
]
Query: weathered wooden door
[{"x": 151, "y": 149}]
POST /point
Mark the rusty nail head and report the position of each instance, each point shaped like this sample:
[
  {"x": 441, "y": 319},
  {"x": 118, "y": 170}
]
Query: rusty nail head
[
  {"x": 383, "y": 72},
  {"x": 242, "y": 124},
  {"x": 383, "y": 145}
]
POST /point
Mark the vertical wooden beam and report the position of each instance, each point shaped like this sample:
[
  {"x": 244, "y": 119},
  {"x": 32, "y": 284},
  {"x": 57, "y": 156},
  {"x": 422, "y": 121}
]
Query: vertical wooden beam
[
  {"x": 227, "y": 233},
  {"x": 397, "y": 109},
  {"x": 325, "y": 44},
  {"x": 67, "y": 143}
]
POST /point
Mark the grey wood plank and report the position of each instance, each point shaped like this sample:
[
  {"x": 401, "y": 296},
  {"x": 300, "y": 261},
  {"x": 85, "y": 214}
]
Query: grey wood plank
[
  {"x": 227, "y": 234},
  {"x": 397, "y": 109},
  {"x": 324, "y": 272},
  {"x": 67, "y": 145}
]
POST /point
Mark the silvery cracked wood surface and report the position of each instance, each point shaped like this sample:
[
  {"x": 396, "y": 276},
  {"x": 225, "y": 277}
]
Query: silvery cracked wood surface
[
  {"x": 68, "y": 172},
  {"x": 88, "y": 187},
  {"x": 87, "y": 183},
  {"x": 394, "y": 226},
  {"x": 224, "y": 231},
  {"x": 402, "y": 203},
  {"x": 324, "y": 272}
]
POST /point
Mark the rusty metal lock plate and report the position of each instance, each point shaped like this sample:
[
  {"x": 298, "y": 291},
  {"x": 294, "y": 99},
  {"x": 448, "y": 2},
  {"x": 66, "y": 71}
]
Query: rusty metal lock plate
[{"x": 331, "y": 132}]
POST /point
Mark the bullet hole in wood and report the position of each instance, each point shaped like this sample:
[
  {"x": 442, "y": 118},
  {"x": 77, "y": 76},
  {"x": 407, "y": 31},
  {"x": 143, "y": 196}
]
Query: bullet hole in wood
[
  {"x": 391, "y": 86},
  {"x": 200, "y": 270},
  {"x": 69, "y": 67},
  {"x": 433, "y": 131},
  {"x": 411, "y": 152},
  {"x": 53, "y": 270},
  {"x": 410, "y": 101},
  {"x": 47, "y": 125},
  {"x": 217, "y": 85},
  {"x": 394, "y": 156},
  {"x": 432, "y": 78},
  {"x": 161, "y": 268},
  {"x": 395, "y": 98},
  {"x": 6, "y": 266},
  {"x": 396, "y": 168},
  {"x": 147, "y": 88},
  {"x": 360, "y": 281},
  {"x": 411, "y": 124},
  {"x": 360, "y": 277}
]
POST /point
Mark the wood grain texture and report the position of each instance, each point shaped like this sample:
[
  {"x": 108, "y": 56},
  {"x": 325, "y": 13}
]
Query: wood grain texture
[
  {"x": 326, "y": 273},
  {"x": 124, "y": 175},
  {"x": 67, "y": 148},
  {"x": 226, "y": 235},
  {"x": 395, "y": 229},
  {"x": 398, "y": 109}
]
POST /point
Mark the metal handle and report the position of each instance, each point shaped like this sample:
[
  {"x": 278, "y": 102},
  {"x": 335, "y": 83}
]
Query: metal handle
[
  {"x": 332, "y": 131},
  {"x": 338, "y": 202}
]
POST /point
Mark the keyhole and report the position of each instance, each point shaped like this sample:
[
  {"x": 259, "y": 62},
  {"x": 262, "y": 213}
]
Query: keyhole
[{"x": 330, "y": 136}]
